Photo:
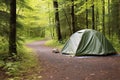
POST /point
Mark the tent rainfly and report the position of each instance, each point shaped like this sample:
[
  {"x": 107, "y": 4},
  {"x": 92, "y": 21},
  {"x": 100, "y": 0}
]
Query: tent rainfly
[{"x": 88, "y": 42}]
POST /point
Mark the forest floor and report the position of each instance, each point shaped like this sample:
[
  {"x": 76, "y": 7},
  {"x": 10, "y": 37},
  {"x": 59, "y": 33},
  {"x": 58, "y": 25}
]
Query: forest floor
[
  {"x": 60, "y": 67},
  {"x": 55, "y": 66}
]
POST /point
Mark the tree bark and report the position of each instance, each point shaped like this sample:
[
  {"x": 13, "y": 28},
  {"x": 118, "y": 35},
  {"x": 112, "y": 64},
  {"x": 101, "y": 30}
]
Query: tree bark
[
  {"x": 51, "y": 28},
  {"x": 67, "y": 19},
  {"x": 97, "y": 19},
  {"x": 115, "y": 17},
  {"x": 73, "y": 17},
  {"x": 103, "y": 20},
  {"x": 57, "y": 21},
  {"x": 86, "y": 15},
  {"x": 109, "y": 26},
  {"x": 12, "y": 33},
  {"x": 93, "y": 17},
  {"x": 118, "y": 30}
]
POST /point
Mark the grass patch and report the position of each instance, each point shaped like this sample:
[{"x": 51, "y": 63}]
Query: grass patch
[
  {"x": 54, "y": 44},
  {"x": 29, "y": 40},
  {"x": 26, "y": 65}
]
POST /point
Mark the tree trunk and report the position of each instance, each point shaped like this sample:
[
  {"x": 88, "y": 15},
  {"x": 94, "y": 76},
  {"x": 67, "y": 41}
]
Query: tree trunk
[
  {"x": 118, "y": 30},
  {"x": 86, "y": 15},
  {"x": 12, "y": 33},
  {"x": 67, "y": 19},
  {"x": 51, "y": 28},
  {"x": 73, "y": 17},
  {"x": 103, "y": 20},
  {"x": 57, "y": 21},
  {"x": 115, "y": 17},
  {"x": 93, "y": 17},
  {"x": 109, "y": 26},
  {"x": 97, "y": 18}
]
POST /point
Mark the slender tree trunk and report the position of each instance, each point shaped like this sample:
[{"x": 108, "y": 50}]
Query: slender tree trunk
[
  {"x": 109, "y": 26},
  {"x": 103, "y": 20},
  {"x": 118, "y": 30},
  {"x": 57, "y": 21},
  {"x": 97, "y": 18},
  {"x": 68, "y": 22},
  {"x": 115, "y": 17},
  {"x": 73, "y": 17},
  {"x": 93, "y": 17},
  {"x": 86, "y": 15},
  {"x": 51, "y": 28},
  {"x": 12, "y": 34}
]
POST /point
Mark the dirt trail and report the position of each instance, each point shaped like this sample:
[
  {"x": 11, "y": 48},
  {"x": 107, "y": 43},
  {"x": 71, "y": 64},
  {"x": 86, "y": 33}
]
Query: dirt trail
[{"x": 61, "y": 67}]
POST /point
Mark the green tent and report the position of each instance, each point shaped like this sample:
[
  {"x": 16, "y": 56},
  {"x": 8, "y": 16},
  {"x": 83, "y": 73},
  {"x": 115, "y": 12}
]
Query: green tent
[{"x": 88, "y": 42}]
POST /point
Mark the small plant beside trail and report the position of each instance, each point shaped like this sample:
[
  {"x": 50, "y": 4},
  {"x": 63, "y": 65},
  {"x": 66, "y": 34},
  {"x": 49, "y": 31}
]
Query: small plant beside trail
[
  {"x": 15, "y": 67},
  {"x": 55, "y": 44}
]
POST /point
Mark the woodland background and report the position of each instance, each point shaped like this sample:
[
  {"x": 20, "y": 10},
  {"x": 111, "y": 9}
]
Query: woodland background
[
  {"x": 25, "y": 20},
  {"x": 58, "y": 19}
]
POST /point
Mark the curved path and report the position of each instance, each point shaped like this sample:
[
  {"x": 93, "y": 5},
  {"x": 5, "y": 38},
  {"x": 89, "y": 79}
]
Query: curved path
[{"x": 61, "y": 67}]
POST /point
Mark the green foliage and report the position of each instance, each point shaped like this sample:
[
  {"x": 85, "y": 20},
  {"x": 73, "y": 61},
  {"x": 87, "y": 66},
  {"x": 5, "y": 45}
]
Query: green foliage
[
  {"x": 4, "y": 16},
  {"x": 35, "y": 21},
  {"x": 55, "y": 44},
  {"x": 12, "y": 68},
  {"x": 2, "y": 63},
  {"x": 116, "y": 46},
  {"x": 18, "y": 64},
  {"x": 31, "y": 39},
  {"x": 115, "y": 41},
  {"x": 3, "y": 44}
]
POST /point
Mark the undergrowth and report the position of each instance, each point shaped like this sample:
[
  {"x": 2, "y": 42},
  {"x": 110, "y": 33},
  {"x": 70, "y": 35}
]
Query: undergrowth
[
  {"x": 29, "y": 40},
  {"x": 55, "y": 44},
  {"x": 115, "y": 42},
  {"x": 24, "y": 61}
]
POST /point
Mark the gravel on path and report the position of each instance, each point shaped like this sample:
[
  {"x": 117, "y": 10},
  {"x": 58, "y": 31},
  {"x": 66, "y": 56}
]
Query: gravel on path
[{"x": 60, "y": 67}]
